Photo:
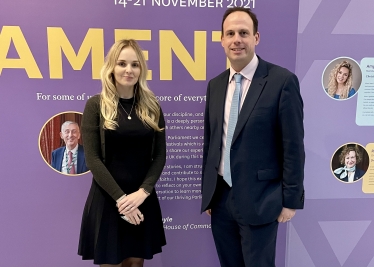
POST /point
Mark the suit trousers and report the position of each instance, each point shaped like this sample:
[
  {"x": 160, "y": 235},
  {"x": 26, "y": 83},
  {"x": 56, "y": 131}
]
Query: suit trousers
[{"x": 239, "y": 244}]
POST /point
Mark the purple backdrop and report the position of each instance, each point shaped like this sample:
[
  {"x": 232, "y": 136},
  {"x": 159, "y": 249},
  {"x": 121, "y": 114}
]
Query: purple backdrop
[
  {"x": 41, "y": 209},
  {"x": 336, "y": 228}
]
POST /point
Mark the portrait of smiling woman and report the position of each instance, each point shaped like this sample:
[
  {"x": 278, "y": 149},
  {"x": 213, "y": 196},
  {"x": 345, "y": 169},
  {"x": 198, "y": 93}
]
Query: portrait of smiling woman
[
  {"x": 350, "y": 163},
  {"x": 125, "y": 148},
  {"x": 342, "y": 78},
  {"x": 340, "y": 83}
]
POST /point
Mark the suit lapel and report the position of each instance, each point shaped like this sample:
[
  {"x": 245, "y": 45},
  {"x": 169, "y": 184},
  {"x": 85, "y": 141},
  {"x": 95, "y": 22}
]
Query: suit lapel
[
  {"x": 221, "y": 99},
  {"x": 257, "y": 85},
  {"x": 60, "y": 159}
]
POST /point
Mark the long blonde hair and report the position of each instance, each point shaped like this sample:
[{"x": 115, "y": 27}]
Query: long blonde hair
[
  {"x": 147, "y": 108},
  {"x": 333, "y": 84}
]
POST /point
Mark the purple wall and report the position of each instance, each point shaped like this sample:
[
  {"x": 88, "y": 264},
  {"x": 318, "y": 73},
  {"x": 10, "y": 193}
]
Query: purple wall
[
  {"x": 41, "y": 209},
  {"x": 336, "y": 228}
]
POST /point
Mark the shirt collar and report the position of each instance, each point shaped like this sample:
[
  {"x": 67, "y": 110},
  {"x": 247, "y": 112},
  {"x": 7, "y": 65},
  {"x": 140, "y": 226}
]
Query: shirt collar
[
  {"x": 74, "y": 150},
  {"x": 248, "y": 71}
]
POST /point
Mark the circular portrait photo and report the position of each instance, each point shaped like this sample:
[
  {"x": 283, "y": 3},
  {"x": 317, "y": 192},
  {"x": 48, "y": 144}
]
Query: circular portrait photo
[
  {"x": 60, "y": 143},
  {"x": 342, "y": 78},
  {"x": 350, "y": 162}
]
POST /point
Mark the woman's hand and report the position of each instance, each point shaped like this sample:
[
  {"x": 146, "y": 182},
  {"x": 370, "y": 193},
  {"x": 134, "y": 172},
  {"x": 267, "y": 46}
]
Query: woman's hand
[
  {"x": 131, "y": 202},
  {"x": 135, "y": 217}
]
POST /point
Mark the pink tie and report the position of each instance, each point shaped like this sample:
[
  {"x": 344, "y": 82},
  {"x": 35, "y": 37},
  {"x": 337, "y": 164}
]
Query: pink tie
[{"x": 71, "y": 164}]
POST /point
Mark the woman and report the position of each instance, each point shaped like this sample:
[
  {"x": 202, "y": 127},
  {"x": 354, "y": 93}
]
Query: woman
[
  {"x": 125, "y": 148},
  {"x": 349, "y": 158},
  {"x": 340, "y": 82}
]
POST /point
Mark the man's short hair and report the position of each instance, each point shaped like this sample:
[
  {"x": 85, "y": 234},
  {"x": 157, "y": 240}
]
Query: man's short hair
[
  {"x": 242, "y": 9},
  {"x": 66, "y": 123}
]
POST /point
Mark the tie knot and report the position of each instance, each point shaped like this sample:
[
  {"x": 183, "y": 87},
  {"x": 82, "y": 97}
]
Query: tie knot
[{"x": 238, "y": 77}]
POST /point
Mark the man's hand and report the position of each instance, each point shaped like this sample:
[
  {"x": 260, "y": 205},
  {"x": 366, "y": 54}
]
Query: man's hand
[
  {"x": 209, "y": 212},
  {"x": 286, "y": 215}
]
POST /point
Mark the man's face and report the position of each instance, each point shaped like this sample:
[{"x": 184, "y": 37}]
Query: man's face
[
  {"x": 239, "y": 40},
  {"x": 70, "y": 134}
]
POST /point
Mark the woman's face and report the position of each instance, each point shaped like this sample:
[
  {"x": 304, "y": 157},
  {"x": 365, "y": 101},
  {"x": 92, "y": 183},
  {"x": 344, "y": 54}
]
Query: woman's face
[
  {"x": 350, "y": 159},
  {"x": 342, "y": 75},
  {"x": 127, "y": 69}
]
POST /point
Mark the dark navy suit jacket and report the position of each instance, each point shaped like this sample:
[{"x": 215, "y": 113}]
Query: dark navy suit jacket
[
  {"x": 58, "y": 154},
  {"x": 267, "y": 151},
  {"x": 358, "y": 175}
]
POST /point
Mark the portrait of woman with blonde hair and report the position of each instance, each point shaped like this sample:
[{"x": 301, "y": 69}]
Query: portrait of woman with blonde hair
[
  {"x": 125, "y": 148},
  {"x": 349, "y": 157},
  {"x": 340, "y": 81}
]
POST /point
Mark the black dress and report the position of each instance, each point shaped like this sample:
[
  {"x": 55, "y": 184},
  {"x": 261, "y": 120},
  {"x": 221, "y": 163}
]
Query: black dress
[{"x": 105, "y": 236}]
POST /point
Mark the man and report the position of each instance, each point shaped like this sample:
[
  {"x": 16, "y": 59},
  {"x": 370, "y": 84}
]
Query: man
[
  {"x": 253, "y": 156},
  {"x": 70, "y": 158}
]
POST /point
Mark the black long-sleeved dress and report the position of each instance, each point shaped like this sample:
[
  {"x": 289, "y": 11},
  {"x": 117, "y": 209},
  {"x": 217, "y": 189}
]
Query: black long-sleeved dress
[{"x": 121, "y": 161}]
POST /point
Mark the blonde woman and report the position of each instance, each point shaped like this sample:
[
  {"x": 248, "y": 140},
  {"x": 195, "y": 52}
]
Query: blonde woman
[
  {"x": 124, "y": 140},
  {"x": 340, "y": 81}
]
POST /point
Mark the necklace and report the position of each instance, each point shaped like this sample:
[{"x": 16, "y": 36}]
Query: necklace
[{"x": 129, "y": 114}]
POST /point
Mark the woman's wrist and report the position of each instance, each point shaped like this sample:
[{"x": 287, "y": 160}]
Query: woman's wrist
[
  {"x": 118, "y": 200},
  {"x": 144, "y": 191}
]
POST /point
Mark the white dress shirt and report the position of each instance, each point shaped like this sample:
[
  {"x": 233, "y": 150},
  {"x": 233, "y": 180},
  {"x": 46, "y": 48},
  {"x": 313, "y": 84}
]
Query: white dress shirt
[
  {"x": 247, "y": 72},
  {"x": 65, "y": 159}
]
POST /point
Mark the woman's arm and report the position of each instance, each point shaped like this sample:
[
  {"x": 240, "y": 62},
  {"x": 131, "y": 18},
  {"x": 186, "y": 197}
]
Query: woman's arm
[{"x": 92, "y": 148}]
